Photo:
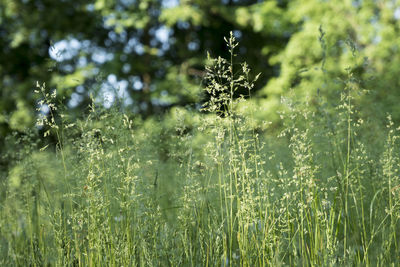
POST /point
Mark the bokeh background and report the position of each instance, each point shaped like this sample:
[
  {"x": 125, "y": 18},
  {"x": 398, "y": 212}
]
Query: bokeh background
[{"x": 148, "y": 56}]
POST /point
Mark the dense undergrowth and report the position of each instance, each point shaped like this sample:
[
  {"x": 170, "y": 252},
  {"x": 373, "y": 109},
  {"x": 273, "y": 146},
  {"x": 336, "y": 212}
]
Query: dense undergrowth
[{"x": 208, "y": 188}]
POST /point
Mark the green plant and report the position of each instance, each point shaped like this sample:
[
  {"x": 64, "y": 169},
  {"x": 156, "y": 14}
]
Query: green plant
[{"x": 205, "y": 188}]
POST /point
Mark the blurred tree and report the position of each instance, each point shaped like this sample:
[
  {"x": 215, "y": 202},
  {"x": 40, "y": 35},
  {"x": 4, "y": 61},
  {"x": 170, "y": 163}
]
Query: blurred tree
[
  {"x": 153, "y": 50},
  {"x": 362, "y": 35}
]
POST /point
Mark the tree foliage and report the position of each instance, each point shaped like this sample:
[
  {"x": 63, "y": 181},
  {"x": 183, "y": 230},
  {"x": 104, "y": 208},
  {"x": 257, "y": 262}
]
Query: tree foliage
[
  {"x": 152, "y": 52},
  {"x": 155, "y": 47}
]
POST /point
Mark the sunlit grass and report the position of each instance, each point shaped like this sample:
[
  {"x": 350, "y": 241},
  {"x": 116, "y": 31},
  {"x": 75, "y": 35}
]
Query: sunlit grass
[{"x": 205, "y": 188}]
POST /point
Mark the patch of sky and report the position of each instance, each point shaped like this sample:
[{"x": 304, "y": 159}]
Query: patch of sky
[
  {"x": 193, "y": 46},
  {"x": 82, "y": 62},
  {"x": 139, "y": 49},
  {"x": 137, "y": 85},
  {"x": 114, "y": 90},
  {"x": 75, "y": 100},
  {"x": 123, "y": 36},
  {"x": 128, "y": 2},
  {"x": 65, "y": 49},
  {"x": 169, "y": 3},
  {"x": 67, "y": 68},
  {"x": 44, "y": 109},
  {"x": 80, "y": 89},
  {"x": 159, "y": 102},
  {"x": 85, "y": 44},
  {"x": 90, "y": 7},
  {"x": 43, "y": 112},
  {"x": 118, "y": 37},
  {"x": 100, "y": 56},
  {"x": 95, "y": 71},
  {"x": 377, "y": 30},
  {"x": 237, "y": 34},
  {"x": 112, "y": 79},
  {"x": 108, "y": 21},
  {"x": 76, "y": 97},
  {"x": 183, "y": 24},
  {"x": 113, "y": 36},
  {"x": 356, "y": 3},
  {"x": 162, "y": 34},
  {"x": 377, "y": 39},
  {"x": 397, "y": 13},
  {"x": 126, "y": 68},
  {"x": 130, "y": 45}
]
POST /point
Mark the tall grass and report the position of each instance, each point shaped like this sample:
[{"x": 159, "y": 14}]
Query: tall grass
[{"x": 207, "y": 188}]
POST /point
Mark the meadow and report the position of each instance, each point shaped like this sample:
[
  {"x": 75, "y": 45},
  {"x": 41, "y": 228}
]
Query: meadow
[{"x": 213, "y": 186}]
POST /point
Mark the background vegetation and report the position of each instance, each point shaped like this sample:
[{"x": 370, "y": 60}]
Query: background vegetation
[{"x": 123, "y": 143}]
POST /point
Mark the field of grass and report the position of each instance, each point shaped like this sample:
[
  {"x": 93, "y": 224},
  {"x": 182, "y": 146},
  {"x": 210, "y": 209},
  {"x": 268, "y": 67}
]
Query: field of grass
[{"x": 213, "y": 187}]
